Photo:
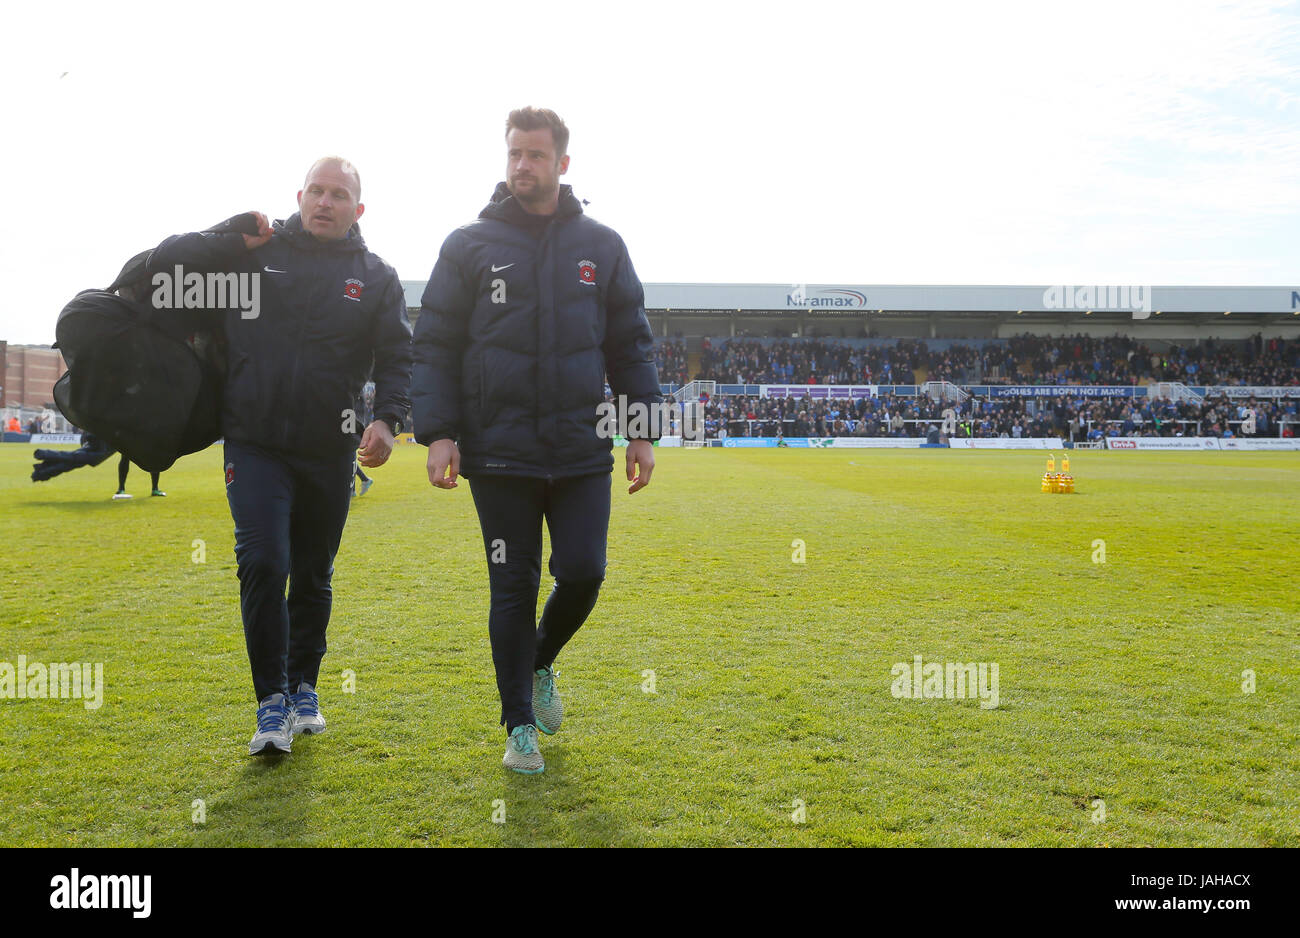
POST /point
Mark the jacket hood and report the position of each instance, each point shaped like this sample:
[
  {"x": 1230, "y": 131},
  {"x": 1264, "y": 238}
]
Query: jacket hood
[
  {"x": 505, "y": 207},
  {"x": 293, "y": 230}
]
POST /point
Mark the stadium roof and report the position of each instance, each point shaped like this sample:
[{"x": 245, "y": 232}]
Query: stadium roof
[{"x": 1255, "y": 303}]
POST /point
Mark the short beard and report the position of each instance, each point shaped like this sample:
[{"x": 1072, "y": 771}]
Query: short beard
[{"x": 539, "y": 196}]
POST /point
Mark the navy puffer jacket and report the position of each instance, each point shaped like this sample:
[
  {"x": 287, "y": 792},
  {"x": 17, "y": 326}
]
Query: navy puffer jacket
[{"x": 517, "y": 335}]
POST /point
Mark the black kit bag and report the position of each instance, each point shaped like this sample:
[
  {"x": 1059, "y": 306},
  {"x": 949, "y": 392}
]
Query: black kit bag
[{"x": 146, "y": 381}]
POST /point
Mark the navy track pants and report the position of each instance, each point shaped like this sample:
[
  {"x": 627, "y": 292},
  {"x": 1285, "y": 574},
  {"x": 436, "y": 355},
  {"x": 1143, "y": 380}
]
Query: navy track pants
[
  {"x": 510, "y": 511},
  {"x": 289, "y": 513}
]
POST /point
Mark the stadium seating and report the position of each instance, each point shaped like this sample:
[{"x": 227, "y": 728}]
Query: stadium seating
[{"x": 1024, "y": 359}]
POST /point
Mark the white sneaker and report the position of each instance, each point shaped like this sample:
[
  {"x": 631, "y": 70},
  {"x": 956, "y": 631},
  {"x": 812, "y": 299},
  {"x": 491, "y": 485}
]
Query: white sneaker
[
  {"x": 121, "y": 495},
  {"x": 274, "y": 726},
  {"x": 306, "y": 710}
]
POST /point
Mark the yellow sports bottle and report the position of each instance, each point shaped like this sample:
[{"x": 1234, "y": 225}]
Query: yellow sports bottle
[{"x": 1065, "y": 481}]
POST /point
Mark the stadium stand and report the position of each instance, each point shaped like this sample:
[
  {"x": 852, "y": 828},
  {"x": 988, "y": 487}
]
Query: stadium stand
[
  {"x": 978, "y": 340},
  {"x": 1024, "y": 359},
  {"x": 1069, "y": 418}
]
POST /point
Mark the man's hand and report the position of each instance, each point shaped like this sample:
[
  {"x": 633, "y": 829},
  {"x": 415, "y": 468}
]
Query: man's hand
[
  {"x": 444, "y": 460},
  {"x": 641, "y": 454},
  {"x": 263, "y": 236},
  {"x": 376, "y": 443}
]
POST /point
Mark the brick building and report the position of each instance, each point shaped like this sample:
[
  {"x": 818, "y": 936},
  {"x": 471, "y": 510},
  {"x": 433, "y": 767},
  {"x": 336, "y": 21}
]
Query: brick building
[{"x": 29, "y": 373}]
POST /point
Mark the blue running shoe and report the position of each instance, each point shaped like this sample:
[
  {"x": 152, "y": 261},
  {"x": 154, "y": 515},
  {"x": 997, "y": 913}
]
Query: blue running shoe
[
  {"x": 306, "y": 711},
  {"x": 274, "y": 727}
]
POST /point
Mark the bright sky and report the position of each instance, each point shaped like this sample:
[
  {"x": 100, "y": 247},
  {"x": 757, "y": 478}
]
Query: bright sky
[{"x": 797, "y": 142}]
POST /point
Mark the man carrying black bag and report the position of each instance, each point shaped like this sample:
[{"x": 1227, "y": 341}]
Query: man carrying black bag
[
  {"x": 296, "y": 361},
  {"x": 528, "y": 308}
]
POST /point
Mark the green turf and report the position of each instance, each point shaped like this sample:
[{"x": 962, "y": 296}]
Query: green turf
[{"x": 1118, "y": 681}]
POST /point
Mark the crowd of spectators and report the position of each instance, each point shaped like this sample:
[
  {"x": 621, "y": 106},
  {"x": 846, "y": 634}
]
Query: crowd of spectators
[
  {"x": 1074, "y": 418},
  {"x": 1022, "y": 360},
  {"x": 1216, "y": 416},
  {"x": 1123, "y": 360},
  {"x": 810, "y": 361},
  {"x": 1118, "y": 360},
  {"x": 670, "y": 355}
]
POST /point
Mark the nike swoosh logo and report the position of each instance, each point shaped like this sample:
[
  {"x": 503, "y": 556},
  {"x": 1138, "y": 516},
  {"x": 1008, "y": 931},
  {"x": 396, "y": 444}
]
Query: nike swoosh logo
[
  {"x": 495, "y": 268},
  {"x": 271, "y": 271}
]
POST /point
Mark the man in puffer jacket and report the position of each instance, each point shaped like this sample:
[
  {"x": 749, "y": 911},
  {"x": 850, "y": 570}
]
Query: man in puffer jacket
[
  {"x": 527, "y": 311},
  {"x": 328, "y": 311}
]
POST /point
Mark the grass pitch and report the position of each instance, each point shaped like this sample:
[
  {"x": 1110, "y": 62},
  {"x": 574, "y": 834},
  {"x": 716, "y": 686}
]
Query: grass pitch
[{"x": 771, "y": 719}]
